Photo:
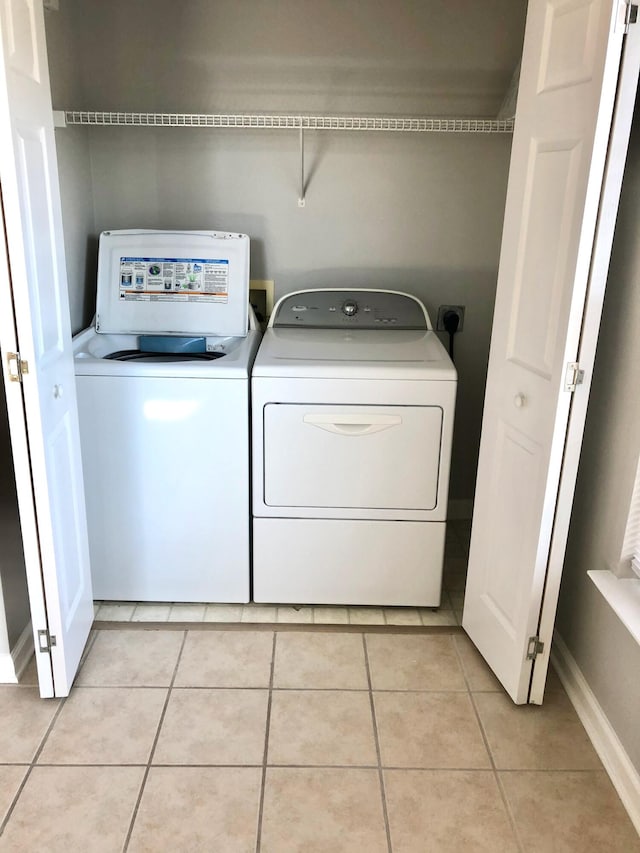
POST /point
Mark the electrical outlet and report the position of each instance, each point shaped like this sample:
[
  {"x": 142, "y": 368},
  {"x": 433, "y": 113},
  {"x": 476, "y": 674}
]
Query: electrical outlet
[
  {"x": 443, "y": 309},
  {"x": 258, "y": 299},
  {"x": 268, "y": 288}
]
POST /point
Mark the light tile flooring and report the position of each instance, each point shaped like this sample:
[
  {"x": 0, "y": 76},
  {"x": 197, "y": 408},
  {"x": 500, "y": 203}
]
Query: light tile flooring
[
  {"x": 232, "y": 739},
  {"x": 129, "y": 611},
  {"x": 278, "y": 740}
]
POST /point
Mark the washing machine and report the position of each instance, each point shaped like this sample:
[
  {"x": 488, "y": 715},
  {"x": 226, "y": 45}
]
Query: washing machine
[
  {"x": 163, "y": 395},
  {"x": 353, "y": 399}
]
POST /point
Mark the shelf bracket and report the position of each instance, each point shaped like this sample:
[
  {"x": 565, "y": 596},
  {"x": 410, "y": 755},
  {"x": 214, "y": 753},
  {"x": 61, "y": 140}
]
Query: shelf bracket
[{"x": 301, "y": 199}]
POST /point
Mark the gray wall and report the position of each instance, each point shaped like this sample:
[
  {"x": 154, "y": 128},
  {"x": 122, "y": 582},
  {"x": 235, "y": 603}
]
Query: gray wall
[
  {"x": 603, "y": 648},
  {"x": 382, "y": 56},
  {"x": 420, "y": 213},
  {"x": 74, "y": 166}
]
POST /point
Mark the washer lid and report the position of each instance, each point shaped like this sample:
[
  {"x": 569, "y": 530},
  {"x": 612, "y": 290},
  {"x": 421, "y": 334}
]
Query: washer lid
[
  {"x": 353, "y": 354},
  {"x": 173, "y": 283}
]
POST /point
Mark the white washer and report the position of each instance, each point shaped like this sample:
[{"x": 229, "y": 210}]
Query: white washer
[
  {"x": 165, "y": 437},
  {"x": 353, "y": 400}
]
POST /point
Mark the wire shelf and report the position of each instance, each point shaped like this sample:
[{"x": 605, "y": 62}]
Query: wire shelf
[{"x": 289, "y": 122}]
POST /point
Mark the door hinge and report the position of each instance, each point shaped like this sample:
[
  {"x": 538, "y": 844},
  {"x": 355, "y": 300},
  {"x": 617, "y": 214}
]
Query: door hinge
[
  {"x": 46, "y": 641},
  {"x": 16, "y": 366},
  {"x": 630, "y": 15},
  {"x": 534, "y": 648},
  {"x": 573, "y": 377}
]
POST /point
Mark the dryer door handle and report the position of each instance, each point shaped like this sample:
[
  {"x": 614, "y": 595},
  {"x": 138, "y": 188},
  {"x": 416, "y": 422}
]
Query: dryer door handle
[{"x": 352, "y": 424}]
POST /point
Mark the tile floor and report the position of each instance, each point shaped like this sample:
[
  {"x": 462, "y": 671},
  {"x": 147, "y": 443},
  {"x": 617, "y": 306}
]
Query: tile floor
[
  {"x": 131, "y": 611},
  {"x": 283, "y": 739},
  {"x": 279, "y": 740}
]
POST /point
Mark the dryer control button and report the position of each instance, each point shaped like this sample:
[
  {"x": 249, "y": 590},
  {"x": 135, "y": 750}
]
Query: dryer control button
[{"x": 350, "y": 308}]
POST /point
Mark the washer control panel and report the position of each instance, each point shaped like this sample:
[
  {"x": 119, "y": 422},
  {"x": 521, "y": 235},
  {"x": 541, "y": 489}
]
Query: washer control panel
[{"x": 361, "y": 309}]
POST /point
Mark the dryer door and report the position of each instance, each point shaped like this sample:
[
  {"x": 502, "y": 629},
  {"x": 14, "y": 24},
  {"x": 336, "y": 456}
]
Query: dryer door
[{"x": 355, "y": 457}]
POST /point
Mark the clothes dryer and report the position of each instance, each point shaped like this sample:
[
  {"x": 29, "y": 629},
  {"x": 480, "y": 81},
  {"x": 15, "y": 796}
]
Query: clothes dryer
[
  {"x": 163, "y": 395},
  {"x": 353, "y": 399}
]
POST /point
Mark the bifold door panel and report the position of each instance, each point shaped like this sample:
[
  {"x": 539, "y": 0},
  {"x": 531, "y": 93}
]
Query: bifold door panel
[{"x": 362, "y": 457}]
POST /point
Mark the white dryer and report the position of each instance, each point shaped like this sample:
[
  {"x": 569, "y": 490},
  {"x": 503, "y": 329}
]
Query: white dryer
[
  {"x": 163, "y": 396},
  {"x": 353, "y": 400}
]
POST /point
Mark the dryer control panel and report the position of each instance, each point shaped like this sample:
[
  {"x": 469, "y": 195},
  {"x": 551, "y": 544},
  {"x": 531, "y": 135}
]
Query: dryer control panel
[{"x": 336, "y": 308}]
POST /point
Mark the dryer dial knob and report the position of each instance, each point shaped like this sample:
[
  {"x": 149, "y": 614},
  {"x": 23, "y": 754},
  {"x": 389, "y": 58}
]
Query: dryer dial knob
[{"x": 350, "y": 308}]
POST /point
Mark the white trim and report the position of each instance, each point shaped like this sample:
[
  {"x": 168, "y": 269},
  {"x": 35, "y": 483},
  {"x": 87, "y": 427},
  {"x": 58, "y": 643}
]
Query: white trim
[
  {"x": 623, "y": 774},
  {"x": 13, "y": 663},
  {"x": 630, "y": 557},
  {"x": 623, "y": 596},
  {"x": 459, "y": 509},
  {"x": 23, "y": 650},
  {"x": 7, "y": 669}
]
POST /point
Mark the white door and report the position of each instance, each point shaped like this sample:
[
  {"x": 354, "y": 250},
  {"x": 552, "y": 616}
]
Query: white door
[
  {"x": 568, "y": 85},
  {"x": 34, "y": 320}
]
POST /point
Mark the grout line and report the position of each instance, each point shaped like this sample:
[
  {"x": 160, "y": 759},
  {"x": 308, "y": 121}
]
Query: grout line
[
  {"x": 435, "y": 768},
  {"x": 377, "y": 742},
  {"x": 266, "y": 745},
  {"x": 485, "y": 739},
  {"x": 283, "y": 627},
  {"x": 507, "y": 805},
  {"x": 264, "y": 687},
  {"x": 418, "y": 768},
  {"x": 153, "y": 747},
  {"x": 32, "y": 763},
  {"x": 93, "y": 636}
]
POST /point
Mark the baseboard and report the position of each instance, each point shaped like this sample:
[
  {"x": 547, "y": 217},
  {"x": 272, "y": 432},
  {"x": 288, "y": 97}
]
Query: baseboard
[
  {"x": 7, "y": 669},
  {"x": 460, "y": 509},
  {"x": 13, "y": 663},
  {"x": 23, "y": 650},
  {"x": 623, "y": 774}
]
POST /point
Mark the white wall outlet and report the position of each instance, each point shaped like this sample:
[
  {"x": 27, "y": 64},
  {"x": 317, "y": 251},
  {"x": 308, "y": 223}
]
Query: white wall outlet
[{"x": 268, "y": 287}]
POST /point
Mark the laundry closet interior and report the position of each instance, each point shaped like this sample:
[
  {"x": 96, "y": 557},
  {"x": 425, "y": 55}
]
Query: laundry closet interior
[{"x": 409, "y": 210}]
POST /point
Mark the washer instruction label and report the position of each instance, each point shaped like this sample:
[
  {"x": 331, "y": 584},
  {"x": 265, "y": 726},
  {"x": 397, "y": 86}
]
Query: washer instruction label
[{"x": 174, "y": 279}]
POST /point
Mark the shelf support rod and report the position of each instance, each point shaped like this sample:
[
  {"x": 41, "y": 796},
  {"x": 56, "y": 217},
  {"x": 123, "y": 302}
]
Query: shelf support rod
[{"x": 301, "y": 198}]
